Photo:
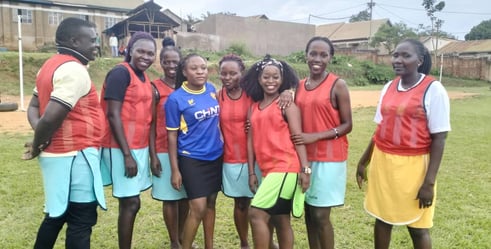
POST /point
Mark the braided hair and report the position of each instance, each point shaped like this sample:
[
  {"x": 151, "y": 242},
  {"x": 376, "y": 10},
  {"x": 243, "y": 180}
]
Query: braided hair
[
  {"x": 423, "y": 53},
  {"x": 180, "y": 78}
]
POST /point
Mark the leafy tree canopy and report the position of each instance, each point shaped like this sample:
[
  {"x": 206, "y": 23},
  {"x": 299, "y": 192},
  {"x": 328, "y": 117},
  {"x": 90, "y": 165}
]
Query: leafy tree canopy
[
  {"x": 362, "y": 16},
  {"x": 480, "y": 32},
  {"x": 389, "y": 36}
]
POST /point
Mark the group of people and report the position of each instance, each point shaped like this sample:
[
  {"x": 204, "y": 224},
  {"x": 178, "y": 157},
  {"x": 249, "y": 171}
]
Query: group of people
[{"x": 275, "y": 144}]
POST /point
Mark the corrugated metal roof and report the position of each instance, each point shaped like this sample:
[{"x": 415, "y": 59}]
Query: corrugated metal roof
[
  {"x": 462, "y": 47},
  {"x": 102, "y": 5},
  {"x": 350, "y": 31}
]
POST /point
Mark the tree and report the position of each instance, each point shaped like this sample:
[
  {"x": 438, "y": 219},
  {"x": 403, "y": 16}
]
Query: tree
[
  {"x": 436, "y": 23},
  {"x": 389, "y": 36},
  {"x": 426, "y": 31},
  {"x": 208, "y": 14},
  {"x": 480, "y": 32},
  {"x": 364, "y": 15},
  {"x": 190, "y": 19}
]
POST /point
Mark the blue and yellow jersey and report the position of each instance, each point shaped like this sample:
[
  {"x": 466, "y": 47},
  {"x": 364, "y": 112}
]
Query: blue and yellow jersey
[{"x": 195, "y": 115}]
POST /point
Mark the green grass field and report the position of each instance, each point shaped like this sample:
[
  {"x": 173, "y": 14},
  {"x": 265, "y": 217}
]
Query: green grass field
[{"x": 462, "y": 219}]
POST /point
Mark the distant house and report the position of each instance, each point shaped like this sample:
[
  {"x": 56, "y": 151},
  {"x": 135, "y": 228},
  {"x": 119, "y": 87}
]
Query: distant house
[
  {"x": 355, "y": 35},
  {"x": 468, "y": 49},
  {"x": 183, "y": 26},
  {"x": 40, "y": 18},
  {"x": 146, "y": 17},
  {"x": 262, "y": 16},
  {"x": 433, "y": 43}
]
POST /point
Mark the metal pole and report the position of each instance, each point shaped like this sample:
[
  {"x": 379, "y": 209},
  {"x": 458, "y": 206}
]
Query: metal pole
[
  {"x": 441, "y": 67},
  {"x": 21, "y": 70}
]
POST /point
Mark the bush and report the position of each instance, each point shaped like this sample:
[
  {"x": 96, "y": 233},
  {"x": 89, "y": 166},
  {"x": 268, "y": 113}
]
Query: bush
[
  {"x": 296, "y": 57},
  {"x": 239, "y": 49},
  {"x": 377, "y": 74}
]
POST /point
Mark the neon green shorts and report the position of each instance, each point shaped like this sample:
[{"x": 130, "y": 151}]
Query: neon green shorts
[{"x": 279, "y": 193}]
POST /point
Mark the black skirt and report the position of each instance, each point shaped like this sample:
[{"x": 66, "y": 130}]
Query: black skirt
[{"x": 200, "y": 178}]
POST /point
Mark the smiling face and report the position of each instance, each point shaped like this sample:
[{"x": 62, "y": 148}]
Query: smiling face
[
  {"x": 230, "y": 74},
  {"x": 169, "y": 62},
  {"x": 405, "y": 59},
  {"x": 318, "y": 57},
  {"x": 142, "y": 54},
  {"x": 85, "y": 42},
  {"x": 196, "y": 72},
  {"x": 270, "y": 79}
]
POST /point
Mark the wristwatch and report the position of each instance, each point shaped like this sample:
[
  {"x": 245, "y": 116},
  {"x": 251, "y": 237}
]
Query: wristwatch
[{"x": 306, "y": 170}]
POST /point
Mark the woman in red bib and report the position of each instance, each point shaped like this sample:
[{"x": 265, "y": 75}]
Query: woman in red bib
[
  {"x": 127, "y": 98},
  {"x": 403, "y": 156},
  {"x": 283, "y": 164},
  {"x": 323, "y": 99}
]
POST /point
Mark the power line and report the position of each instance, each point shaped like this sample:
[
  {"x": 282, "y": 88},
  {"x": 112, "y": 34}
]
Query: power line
[
  {"x": 325, "y": 18},
  {"x": 390, "y": 12},
  {"x": 352, "y": 7},
  {"x": 443, "y": 11}
]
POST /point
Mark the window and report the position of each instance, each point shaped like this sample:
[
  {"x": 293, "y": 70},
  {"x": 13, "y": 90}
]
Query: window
[
  {"x": 26, "y": 15},
  {"x": 109, "y": 22},
  {"x": 54, "y": 18},
  {"x": 83, "y": 17}
]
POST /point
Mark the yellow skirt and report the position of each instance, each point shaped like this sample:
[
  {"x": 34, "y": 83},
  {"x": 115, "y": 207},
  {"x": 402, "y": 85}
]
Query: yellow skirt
[{"x": 393, "y": 185}]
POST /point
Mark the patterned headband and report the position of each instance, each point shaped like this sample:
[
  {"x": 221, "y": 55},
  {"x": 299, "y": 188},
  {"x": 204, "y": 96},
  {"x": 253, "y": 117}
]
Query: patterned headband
[{"x": 267, "y": 62}]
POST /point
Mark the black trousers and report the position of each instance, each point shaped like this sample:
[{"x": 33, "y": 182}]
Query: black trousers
[{"x": 80, "y": 218}]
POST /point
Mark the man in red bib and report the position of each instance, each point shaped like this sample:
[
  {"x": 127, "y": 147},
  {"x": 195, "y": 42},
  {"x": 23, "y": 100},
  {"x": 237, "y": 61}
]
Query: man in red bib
[{"x": 67, "y": 119}]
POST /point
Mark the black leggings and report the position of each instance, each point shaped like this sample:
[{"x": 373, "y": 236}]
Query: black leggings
[{"x": 80, "y": 218}]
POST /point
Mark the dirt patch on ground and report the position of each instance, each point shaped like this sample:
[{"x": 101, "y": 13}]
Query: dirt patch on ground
[{"x": 16, "y": 121}]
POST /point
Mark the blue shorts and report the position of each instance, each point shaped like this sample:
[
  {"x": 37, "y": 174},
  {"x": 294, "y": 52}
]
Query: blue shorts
[
  {"x": 235, "y": 179},
  {"x": 71, "y": 179},
  {"x": 113, "y": 165},
  {"x": 161, "y": 186},
  {"x": 327, "y": 184}
]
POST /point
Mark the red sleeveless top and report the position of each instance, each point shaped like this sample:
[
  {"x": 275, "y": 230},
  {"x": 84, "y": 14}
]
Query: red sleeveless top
[
  {"x": 318, "y": 115},
  {"x": 233, "y": 116},
  {"x": 136, "y": 113},
  {"x": 82, "y": 128},
  {"x": 164, "y": 92},
  {"x": 273, "y": 148},
  {"x": 404, "y": 126}
]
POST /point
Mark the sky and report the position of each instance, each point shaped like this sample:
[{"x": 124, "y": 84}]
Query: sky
[{"x": 459, "y": 16}]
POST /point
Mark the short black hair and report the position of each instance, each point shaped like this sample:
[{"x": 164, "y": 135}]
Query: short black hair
[
  {"x": 169, "y": 48},
  {"x": 70, "y": 28},
  {"x": 320, "y": 38},
  {"x": 138, "y": 35},
  {"x": 232, "y": 57},
  {"x": 250, "y": 81},
  {"x": 167, "y": 41}
]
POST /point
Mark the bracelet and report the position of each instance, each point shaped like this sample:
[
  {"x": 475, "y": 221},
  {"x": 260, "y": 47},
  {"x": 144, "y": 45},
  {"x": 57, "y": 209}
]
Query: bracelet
[
  {"x": 337, "y": 134},
  {"x": 252, "y": 174}
]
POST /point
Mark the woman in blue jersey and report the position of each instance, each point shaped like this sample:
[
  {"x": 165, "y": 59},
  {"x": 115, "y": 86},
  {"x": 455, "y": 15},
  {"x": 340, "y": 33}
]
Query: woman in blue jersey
[{"x": 195, "y": 145}]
